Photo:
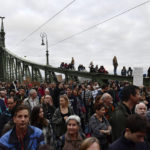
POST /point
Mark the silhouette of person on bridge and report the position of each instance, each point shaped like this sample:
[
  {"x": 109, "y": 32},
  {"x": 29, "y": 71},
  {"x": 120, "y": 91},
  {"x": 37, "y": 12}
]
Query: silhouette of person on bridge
[{"x": 115, "y": 64}]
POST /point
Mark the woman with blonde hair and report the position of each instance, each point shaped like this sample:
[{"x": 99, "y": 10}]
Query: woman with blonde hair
[
  {"x": 60, "y": 116},
  {"x": 91, "y": 143}
]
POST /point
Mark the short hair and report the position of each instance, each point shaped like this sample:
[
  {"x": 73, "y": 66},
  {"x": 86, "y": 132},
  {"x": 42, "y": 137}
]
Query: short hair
[
  {"x": 21, "y": 107},
  {"x": 74, "y": 117},
  {"x": 137, "y": 105},
  {"x": 127, "y": 91},
  {"x": 88, "y": 142},
  {"x": 137, "y": 123},
  {"x": 104, "y": 86},
  {"x": 99, "y": 106},
  {"x": 105, "y": 95},
  {"x": 32, "y": 91},
  {"x": 11, "y": 97}
]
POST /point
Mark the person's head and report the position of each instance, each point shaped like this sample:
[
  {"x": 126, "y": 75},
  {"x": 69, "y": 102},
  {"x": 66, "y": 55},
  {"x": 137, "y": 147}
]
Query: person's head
[
  {"x": 136, "y": 128},
  {"x": 98, "y": 99},
  {"x": 3, "y": 93},
  {"x": 91, "y": 143},
  {"x": 107, "y": 99},
  {"x": 75, "y": 92},
  {"x": 22, "y": 91},
  {"x": 21, "y": 117},
  {"x": 63, "y": 100},
  {"x": 100, "y": 109},
  {"x": 104, "y": 87},
  {"x": 69, "y": 91},
  {"x": 47, "y": 91},
  {"x": 37, "y": 117},
  {"x": 37, "y": 112},
  {"x": 141, "y": 109},
  {"x": 12, "y": 93},
  {"x": 89, "y": 87},
  {"x": 73, "y": 124},
  {"x": 11, "y": 103},
  {"x": 131, "y": 93},
  {"x": 48, "y": 100},
  {"x": 33, "y": 93}
]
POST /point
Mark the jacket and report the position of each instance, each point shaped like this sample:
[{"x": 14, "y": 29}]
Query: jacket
[
  {"x": 124, "y": 144},
  {"x": 32, "y": 140},
  {"x": 95, "y": 126},
  {"x": 118, "y": 120},
  {"x": 59, "y": 123}
]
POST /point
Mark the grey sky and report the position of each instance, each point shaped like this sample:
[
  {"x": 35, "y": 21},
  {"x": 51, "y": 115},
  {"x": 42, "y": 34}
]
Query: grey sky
[{"x": 126, "y": 36}]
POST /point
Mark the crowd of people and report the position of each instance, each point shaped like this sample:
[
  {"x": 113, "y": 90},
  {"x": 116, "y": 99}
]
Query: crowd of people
[
  {"x": 74, "y": 116},
  {"x": 101, "y": 69},
  {"x": 69, "y": 66}
]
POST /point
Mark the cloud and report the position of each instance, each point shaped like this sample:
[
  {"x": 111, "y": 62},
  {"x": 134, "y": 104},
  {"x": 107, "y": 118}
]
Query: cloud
[{"x": 126, "y": 36}]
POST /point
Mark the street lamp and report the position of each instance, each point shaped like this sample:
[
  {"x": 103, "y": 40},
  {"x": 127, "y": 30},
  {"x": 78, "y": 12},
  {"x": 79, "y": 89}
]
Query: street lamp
[{"x": 44, "y": 35}]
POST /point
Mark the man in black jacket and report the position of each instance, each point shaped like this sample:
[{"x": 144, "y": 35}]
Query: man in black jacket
[
  {"x": 133, "y": 137},
  {"x": 130, "y": 96}
]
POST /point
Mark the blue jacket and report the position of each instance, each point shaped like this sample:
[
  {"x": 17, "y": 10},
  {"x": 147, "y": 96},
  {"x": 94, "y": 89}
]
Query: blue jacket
[{"x": 32, "y": 140}]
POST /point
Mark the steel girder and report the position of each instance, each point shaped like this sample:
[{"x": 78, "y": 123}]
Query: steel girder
[{"x": 13, "y": 67}]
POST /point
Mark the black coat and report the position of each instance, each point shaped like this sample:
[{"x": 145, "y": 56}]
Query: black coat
[{"x": 123, "y": 144}]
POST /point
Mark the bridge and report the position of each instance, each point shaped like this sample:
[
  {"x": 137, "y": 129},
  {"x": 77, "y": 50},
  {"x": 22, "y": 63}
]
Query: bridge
[{"x": 14, "y": 68}]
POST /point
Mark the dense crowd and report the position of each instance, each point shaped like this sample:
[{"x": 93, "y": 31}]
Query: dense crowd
[{"x": 68, "y": 116}]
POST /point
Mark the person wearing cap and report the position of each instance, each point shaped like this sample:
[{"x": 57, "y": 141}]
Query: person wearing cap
[{"x": 73, "y": 138}]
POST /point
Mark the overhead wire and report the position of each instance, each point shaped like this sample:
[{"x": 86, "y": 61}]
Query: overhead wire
[
  {"x": 46, "y": 21},
  {"x": 93, "y": 26}
]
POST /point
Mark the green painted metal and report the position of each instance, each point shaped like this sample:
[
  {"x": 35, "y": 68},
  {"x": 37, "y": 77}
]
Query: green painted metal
[{"x": 13, "y": 68}]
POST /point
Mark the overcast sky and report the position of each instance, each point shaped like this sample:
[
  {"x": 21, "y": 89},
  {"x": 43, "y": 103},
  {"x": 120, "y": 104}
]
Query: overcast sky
[{"x": 126, "y": 36}]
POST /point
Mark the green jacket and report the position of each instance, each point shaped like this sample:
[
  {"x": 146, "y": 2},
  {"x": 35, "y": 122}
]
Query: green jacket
[{"x": 118, "y": 120}]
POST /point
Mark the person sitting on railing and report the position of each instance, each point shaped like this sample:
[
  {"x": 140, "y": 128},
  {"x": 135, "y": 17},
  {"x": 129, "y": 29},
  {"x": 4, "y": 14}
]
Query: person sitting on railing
[
  {"x": 81, "y": 68},
  {"x": 66, "y": 66},
  {"x": 123, "y": 71},
  {"x": 96, "y": 68},
  {"x": 62, "y": 66},
  {"x": 129, "y": 72},
  {"x": 91, "y": 66},
  {"x": 102, "y": 70}
]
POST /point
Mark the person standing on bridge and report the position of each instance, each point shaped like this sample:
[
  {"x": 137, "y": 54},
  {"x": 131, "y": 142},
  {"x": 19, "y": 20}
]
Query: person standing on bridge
[
  {"x": 115, "y": 64},
  {"x": 72, "y": 64}
]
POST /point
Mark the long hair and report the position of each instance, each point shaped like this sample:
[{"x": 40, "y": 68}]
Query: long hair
[
  {"x": 65, "y": 97},
  {"x": 36, "y": 120}
]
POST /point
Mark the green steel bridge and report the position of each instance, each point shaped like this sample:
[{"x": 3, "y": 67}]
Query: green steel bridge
[{"x": 14, "y": 68}]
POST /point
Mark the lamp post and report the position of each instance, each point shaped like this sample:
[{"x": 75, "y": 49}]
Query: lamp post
[{"x": 44, "y": 35}]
